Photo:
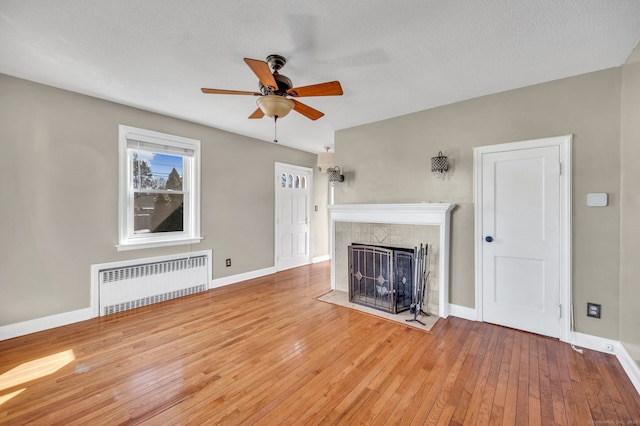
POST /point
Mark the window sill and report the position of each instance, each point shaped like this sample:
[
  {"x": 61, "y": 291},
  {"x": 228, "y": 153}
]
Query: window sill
[{"x": 154, "y": 244}]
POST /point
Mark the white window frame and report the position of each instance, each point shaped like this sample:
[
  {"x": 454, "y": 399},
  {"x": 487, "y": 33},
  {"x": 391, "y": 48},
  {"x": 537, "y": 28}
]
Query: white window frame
[{"x": 191, "y": 186}]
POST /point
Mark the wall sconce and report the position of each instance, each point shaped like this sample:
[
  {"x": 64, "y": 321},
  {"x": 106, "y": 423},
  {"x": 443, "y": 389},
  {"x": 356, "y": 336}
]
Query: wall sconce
[
  {"x": 335, "y": 176},
  {"x": 439, "y": 164},
  {"x": 325, "y": 161}
]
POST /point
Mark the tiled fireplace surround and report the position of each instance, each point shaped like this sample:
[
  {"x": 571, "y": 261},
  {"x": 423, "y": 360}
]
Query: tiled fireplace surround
[{"x": 395, "y": 225}]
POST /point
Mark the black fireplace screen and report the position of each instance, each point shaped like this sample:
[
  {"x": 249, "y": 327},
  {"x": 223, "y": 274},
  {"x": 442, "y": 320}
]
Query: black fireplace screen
[{"x": 381, "y": 277}]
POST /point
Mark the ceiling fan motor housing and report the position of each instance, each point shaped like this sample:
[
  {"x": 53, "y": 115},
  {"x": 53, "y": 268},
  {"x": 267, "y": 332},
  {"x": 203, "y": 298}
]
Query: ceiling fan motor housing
[
  {"x": 276, "y": 62},
  {"x": 284, "y": 83}
]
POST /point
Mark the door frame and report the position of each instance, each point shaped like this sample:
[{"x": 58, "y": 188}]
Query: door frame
[
  {"x": 276, "y": 226},
  {"x": 564, "y": 145}
]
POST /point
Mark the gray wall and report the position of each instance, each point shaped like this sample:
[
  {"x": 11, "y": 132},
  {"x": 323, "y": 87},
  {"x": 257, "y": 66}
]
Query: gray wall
[
  {"x": 630, "y": 208},
  {"x": 389, "y": 162},
  {"x": 59, "y": 196}
]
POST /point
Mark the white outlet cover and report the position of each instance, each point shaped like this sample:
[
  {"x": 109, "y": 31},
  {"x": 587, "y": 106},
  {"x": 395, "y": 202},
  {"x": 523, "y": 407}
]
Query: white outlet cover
[{"x": 597, "y": 199}]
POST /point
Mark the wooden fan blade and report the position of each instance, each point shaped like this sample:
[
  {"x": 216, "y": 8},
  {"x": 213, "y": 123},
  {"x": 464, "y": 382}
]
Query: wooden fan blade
[
  {"x": 306, "y": 110},
  {"x": 257, "y": 114},
  {"x": 228, "y": 92},
  {"x": 331, "y": 88},
  {"x": 262, "y": 71}
]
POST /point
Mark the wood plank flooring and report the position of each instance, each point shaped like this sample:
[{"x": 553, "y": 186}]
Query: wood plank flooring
[{"x": 266, "y": 352}]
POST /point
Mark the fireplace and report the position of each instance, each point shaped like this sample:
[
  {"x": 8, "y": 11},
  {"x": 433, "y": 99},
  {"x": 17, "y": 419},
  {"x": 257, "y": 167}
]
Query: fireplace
[
  {"x": 381, "y": 277},
  {"x": 395, "y": 225}
]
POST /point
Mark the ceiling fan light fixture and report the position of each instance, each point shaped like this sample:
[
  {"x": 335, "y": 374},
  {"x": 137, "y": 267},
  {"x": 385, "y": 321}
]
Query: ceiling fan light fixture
[{"x": 275, "y": 105}]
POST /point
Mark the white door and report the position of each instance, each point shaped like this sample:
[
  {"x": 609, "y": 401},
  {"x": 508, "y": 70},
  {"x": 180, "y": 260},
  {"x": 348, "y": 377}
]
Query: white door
[
  {"x": 521, "y": 236},
  {"x": 293, "y": 204}
]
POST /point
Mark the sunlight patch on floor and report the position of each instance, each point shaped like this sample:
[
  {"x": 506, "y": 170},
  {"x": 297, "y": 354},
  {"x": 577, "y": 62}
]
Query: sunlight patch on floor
[
  {"x": 35, "y": 369},
  {"x": 6, "y": 397}
]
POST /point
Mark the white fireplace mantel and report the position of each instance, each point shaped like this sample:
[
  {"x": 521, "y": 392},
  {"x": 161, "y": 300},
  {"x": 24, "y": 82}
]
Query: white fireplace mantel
[{"x": 406, "y": 214}]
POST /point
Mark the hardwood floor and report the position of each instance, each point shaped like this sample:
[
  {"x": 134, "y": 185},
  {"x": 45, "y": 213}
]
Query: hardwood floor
[{"x": 266, "y": 352}]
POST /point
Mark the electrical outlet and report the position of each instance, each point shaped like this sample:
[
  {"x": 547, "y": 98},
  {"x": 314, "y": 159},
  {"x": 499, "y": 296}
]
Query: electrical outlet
[
  {"x": 593, "y": 310},
  {"x": 228, "y": 262}
]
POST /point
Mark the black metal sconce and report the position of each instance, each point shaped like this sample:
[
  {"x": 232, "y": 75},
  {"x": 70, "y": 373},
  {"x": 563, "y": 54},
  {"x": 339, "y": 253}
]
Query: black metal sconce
[
  {"x": 439, "y": 164},
  {"x": 335, "y": 176}
]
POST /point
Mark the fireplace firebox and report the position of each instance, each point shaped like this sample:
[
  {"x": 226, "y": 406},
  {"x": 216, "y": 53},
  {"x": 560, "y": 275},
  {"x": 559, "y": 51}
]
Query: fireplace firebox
[{"x": 381, "y": 277}]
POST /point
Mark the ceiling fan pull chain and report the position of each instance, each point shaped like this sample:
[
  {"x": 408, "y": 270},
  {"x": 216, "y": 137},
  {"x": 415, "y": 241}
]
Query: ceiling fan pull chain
[{"x": 275, "y": 129}]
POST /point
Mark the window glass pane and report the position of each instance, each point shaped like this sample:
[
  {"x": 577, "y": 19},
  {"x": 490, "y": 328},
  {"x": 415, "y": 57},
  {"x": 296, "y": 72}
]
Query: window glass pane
[
  {"x": 153, "y": 170},
  {"x": 290, "y": 181},
  {"x": 155, "y": 212},
  {"x": 297, "y": 181},
  {"x": 304, "y": 183},
  {"x": 283, "y": 180}
]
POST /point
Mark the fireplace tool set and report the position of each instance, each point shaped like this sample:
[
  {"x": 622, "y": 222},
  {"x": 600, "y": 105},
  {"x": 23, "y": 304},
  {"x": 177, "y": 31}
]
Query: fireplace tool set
[{"x": 416, "y": 307}]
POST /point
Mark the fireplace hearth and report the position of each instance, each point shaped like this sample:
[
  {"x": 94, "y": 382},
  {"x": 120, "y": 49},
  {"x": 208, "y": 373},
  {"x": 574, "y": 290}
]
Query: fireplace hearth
[{"x": 382, "y": 277}]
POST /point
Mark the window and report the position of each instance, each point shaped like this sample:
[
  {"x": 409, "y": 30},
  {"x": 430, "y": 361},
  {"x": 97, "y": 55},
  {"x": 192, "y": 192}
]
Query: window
[{"x": 159, "y": 189}]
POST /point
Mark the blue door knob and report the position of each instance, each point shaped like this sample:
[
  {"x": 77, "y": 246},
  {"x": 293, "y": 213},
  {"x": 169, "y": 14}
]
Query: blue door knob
[{"x": 488, "y": 239}]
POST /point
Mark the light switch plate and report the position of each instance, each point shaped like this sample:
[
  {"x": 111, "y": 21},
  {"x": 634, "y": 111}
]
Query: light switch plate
[{"x": 597, "y": 199}]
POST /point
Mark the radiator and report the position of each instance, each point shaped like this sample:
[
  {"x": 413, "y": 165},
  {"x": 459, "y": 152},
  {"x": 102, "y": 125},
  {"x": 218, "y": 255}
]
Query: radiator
[{"x": 131, "y": 285}]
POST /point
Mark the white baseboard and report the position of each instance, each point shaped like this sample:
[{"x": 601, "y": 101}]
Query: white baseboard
[
  {"x": 232, "y": 279},
  {"x": 601, "y": 344},
  {"x": 45, "y": 323},
  {"x": 594, "y": 343},
  {"x": 629, "y": 365},
  {"x": 321, "y": 258},
  {"x": 463, "y": 312}
]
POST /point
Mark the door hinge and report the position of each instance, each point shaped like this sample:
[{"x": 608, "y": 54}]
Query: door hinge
[
  {"x": 559, "y": 311},
  {"x": 560, "y": 169}
]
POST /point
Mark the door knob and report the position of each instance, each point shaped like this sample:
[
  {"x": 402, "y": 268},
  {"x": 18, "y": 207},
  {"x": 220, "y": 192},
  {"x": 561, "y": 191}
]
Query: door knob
[{"x": 488, "y": 238}]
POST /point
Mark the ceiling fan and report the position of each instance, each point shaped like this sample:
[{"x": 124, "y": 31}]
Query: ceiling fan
[{"x": 277, "y": 94}]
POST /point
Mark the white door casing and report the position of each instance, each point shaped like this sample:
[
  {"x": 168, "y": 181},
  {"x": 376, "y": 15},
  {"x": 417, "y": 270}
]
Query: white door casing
[
  {"x": 523, "y": 206},
  {"x": 293, "y": 220}
]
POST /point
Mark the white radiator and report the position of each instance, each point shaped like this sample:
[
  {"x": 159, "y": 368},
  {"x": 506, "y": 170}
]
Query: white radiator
[{"x": 128, "y": 285}]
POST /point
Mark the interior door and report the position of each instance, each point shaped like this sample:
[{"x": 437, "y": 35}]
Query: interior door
[
  {"x": 521, "y": 239},
  {"x": 293, "y": 204}
]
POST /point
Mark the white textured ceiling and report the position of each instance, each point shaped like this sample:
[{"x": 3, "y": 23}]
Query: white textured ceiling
[{"x": 392, "y": 57}]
